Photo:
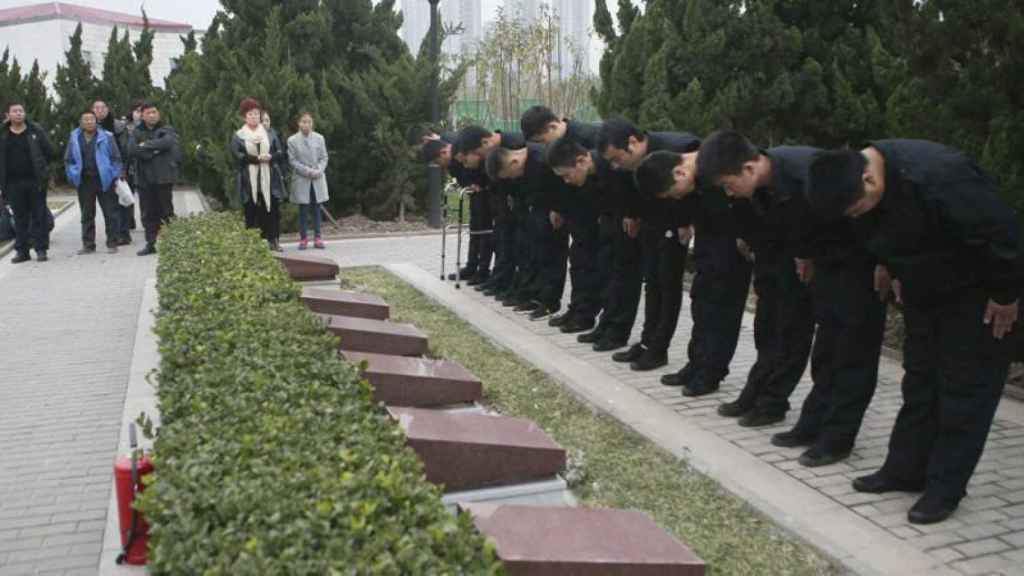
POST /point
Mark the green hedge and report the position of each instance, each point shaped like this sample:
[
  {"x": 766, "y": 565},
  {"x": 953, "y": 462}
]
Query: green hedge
[{"x": 271, "y": 457}]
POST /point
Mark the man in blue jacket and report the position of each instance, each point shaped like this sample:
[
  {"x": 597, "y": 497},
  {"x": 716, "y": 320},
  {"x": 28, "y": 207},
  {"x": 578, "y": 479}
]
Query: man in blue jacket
[{"x": 92, "y": 163}]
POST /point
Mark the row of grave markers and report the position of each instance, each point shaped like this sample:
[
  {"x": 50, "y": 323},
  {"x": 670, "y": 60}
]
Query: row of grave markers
[{"x": 484, "y": 462}]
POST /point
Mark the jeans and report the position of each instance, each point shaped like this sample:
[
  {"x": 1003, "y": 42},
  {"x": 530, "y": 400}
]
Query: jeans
[{"x": 308, "y": 211}]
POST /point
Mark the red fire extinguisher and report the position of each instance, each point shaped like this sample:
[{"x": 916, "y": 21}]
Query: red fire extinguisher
[{"x": 128, "y": 473}]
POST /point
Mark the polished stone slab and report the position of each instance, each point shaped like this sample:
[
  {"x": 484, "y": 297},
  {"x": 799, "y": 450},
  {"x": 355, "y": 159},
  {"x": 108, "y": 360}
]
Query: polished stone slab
[
  {"x": 376, "y": 336},
  {"x": 550, "y": 541},
  {"x": 463, "y": 450},
  {"x": 419, "y": 382},
  {"x": 304, "y": 267},
  {"x": 345, "y": 303}
]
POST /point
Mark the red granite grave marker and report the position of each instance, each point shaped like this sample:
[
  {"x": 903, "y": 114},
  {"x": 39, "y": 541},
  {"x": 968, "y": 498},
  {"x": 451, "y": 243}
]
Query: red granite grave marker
[
  {"x": 377, "y": 336},
  {"x": 345, "y": 303},
  {"x": 420, "y": 382},
  {"x": 542, "y": 541},
  {"x": 305, "y": 268},
  {"x": 464, "y": 451}
]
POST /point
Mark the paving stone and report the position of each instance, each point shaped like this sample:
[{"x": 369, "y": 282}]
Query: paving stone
[
  {"x": 982, "y": 547},
  {"x": 983, "y": 565}
]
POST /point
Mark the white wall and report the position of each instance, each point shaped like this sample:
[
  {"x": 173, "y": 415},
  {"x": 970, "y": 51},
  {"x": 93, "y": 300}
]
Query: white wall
[{"x": 40, "y": 40}]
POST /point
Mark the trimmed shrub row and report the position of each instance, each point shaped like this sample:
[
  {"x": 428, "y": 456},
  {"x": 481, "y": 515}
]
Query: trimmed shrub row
[{"x": 272, "y": 457}]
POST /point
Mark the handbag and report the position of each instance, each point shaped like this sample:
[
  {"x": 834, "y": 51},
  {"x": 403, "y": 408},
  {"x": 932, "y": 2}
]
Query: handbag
[{"x": 124, "y": 193}]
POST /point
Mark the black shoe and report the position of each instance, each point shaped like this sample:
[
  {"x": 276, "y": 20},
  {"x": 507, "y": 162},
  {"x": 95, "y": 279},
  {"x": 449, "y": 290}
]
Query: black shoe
[
  {"x": 631, "y": 355},
  {"x": 490, "y": 290},
  {"x": 880, "y": 483},
  {"x": 560, "y": 320},
  {"x": 20, "y": 257},
  {"x": 464, "y": 274},
  {"x": 511, "y": 301},
  {"x": 543, "y": 311},
  {"x": 148, "y": 250},
  {"x": 477, "y": 279},
  {"x": 577, "y": 325},
  {"x": 649, "y": 360},
  {"x": 607, "y": 344},
  {"x": 674, "y": 379},
  {"x": 758, "y": 418},
  {"x": 931, "y": 510},
  {"x": 590, "y": 337},
  {"x": 793, "y": 438},
  {"x": 735, "y": 409},
  {"x": 816, "y": 456},
  {"x": 41, "y": 256},
  {"x": 87, "y": 250},
  {"x": 124, "y": 241},
  {"x": 528, "y": 306},
  {"x": 698, "y": 387}
]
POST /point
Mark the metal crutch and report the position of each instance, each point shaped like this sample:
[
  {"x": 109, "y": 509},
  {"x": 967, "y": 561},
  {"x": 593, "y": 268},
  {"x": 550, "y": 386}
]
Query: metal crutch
[{"x": 444, "y": 231}]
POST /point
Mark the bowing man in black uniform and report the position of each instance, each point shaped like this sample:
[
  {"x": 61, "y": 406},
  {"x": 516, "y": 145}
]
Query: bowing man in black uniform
[{"x": 954, "y": 250}]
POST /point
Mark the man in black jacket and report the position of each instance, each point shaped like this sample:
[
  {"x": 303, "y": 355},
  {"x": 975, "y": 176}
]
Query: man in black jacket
[
  {"x": 575, "y": 209},
  {"x": 773, "y": 219},
  {"x": 25, "y": 153},
  {"x": 718, "y": 295},
  {"x": 440, "y": 150},
  {"x": 473, "y": 145},
  {"x": 954, "y": 249},
  {"x": 154, "y": 151},
  {"x": 663, "y": 232},
  {"x": 538, "y": 183}
]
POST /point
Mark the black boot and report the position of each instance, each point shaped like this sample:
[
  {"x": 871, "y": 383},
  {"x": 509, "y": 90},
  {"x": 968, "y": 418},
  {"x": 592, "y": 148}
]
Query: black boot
[
  {"x": 148, "y": 250},
  {"x": 758, "y": 418},
  {"x": 543, "y": 311},
  {"x": 793, "y": 438},
  {"x": 631, "y": 355},
  {"x": 649, "y": 360},
  {"x": 20, "y": 257},
  {"x": 880, "y": 483},
  {"x": 561, "y": 319},
  {"x": 681, "y": 378},
  {"x": 816, "y": 456},
  {"x": 607, "y": 343},
  {"x": 700, "y": 387},
  {"x": 576, "y": 325},
  {"x": 590, "y": 337},
  {"x": 931, "y": 510}
]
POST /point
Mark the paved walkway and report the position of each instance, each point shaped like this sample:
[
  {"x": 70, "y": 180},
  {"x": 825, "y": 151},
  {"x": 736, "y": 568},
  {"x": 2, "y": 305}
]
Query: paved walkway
[
  {"x": 985, "y": 537},
  {"x": 67, "y": 329}
]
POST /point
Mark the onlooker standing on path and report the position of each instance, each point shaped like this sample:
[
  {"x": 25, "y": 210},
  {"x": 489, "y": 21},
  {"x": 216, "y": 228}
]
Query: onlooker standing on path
[
  {"x": 130, "y": 170},
  {"x": 307, "y": 154},
  {"x": 279, "y": 171},
  {"x": 25, "y": 152},
  {"x": 125, "y": 214},
  {"x": 154, "y": 149},
  {"x": 92, "y": 163},
  {"x": 260, "y": 185}
]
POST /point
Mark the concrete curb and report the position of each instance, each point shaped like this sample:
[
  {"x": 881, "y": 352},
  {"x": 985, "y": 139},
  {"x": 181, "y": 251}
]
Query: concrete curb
[
  {"x": 854, "y": 542},
  {"x": 140, "y": 397}
]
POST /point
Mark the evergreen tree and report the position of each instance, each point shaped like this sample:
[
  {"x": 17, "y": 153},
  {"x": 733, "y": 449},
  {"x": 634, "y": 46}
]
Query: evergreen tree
[
  {"x": 117, "y": 86},
  {"x": 75, "y": 87},
  {"x": 33, "y": 92}
]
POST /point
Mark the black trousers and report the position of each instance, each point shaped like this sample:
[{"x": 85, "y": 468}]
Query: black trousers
[
  {"x": 505, "y": 229},
  {"x": 550, "y": 257},
  {"x": 28, "y": 201},
  {"x": 718, "y": 299},
  {"x": 268, "y": 221},
  {"x": 89, "y": 193},
  {"x": 625, "y": 285},
  {"x": 664, "y": 263},
  {"x": 588, "y": 277},
  {"x": 525, "y": 237},
  {"x": 844, "y": 360},
  {"x": 156, "y": 202},
  {"x": 954, "y": 379},
  {"x": 481, "y": 234},
  {"x": 783, "y": 332}
]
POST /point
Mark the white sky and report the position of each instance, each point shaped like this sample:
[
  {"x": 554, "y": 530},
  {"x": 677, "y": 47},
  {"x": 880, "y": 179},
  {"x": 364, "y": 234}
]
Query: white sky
[{"x": 198, "y": 13}]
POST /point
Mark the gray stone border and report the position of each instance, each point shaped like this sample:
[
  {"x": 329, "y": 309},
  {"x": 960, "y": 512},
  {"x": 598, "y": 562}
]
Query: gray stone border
[{"x": 853, "y": 541}]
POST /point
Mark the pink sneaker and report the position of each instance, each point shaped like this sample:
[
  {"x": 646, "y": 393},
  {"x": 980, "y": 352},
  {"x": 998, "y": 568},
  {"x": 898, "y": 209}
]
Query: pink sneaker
[
  {"x": 303, "y": 244},
  {"x": 318, "y": 243}
]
